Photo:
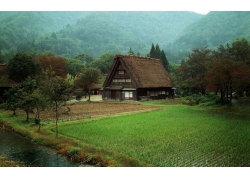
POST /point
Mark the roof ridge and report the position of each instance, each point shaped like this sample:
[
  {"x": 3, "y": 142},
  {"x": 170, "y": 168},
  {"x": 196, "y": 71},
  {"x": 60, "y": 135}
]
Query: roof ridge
[{"x": 138, "y": 57}]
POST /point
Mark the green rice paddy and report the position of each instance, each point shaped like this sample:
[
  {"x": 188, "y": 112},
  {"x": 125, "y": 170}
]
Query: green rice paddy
[{"x": 176, "y": 136}]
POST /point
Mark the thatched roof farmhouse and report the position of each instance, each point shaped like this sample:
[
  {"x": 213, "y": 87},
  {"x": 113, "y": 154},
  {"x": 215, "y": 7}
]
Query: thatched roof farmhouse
[{"x": 137, "y": 78}]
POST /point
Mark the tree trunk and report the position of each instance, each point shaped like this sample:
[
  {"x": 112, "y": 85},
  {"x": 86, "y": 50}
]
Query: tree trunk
[
  {"x": 27, "y": 115},
  {"x": 89, "y": 93},
  {"x": 14, "y": 112},
  {"x": 222, "y": 96},
  {"x": 56, "y": 119},
  {"x": 227, "y": 96},
  {"x": 231, "y": 96},
  {"x": 38, "y": 117}
]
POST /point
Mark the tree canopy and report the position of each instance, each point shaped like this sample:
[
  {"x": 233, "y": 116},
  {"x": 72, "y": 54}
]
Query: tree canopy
[
  {"x": 57, "y": 65},
  {"x": 21, "y": 66},
  {"x": 86, "y": 78},
  {"x": 157, "y": 53}
]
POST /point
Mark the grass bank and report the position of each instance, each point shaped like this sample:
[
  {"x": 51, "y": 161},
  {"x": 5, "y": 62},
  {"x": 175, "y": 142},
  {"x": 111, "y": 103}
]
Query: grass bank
[{"x": 76, "y": 150}]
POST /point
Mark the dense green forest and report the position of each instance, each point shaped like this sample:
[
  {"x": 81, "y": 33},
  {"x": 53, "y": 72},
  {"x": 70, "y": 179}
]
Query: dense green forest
[
  {"x": 19, "y": 28},
  {"x": 69, "y": 34},
  {"x": 212, "y": 30}
]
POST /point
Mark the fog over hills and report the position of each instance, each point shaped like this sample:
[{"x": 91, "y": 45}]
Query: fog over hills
[{"x": 95, "y": 32}]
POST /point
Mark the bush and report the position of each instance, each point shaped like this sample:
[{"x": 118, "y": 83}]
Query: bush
[
  {"x": 74, "y": 151},
  {"x": 197, "y": 99}
]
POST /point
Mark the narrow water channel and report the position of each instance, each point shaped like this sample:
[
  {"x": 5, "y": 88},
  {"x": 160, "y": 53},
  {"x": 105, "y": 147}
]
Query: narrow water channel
[{"x": 18, "y": 148}]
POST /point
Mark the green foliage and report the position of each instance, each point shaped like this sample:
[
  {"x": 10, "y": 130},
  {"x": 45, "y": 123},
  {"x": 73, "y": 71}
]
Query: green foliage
[
  {"x": 57, "y": 91},
  {"x": 176, "y": 136},
  {"x": 87, "y": 78},
  {"x": 104, "y": 61},
  {"x": 240, "y": 50},
  {"x": 26, "y": 100},
  {"x": 193, "y": 71},
  {"x": 196, "y": 99},
  {"x": 217, "y": 27},
  {"x": 21, "y": 66},
  {"x": 2, "y": 58},
  {"x": 86, "y": 59},
  {"x": 74, "y": 66},
  {"x": 74, "y": 151},
  {"x": 69, "y": 33},
  {"x": 157, "y": 53},
  {"x": 12, "y": 96}
]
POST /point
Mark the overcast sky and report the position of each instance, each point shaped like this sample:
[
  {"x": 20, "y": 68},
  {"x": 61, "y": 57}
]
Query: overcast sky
[{"x": 200, "y": 6}]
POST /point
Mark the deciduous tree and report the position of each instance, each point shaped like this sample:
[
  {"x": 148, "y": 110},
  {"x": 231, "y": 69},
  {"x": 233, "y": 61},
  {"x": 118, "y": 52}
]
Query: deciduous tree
[
  {"x": 26, "y": 101},
  {"x": 193, "y": 71},
  {"x": 104, "y": 62},
  {"x": 21, "y": 66},
  {"x": 12, "y": 96},
  {"x": 87, "y": 77},
  {"x": 85, "y": 59},
  {"x": 74, "y": 66},
  {"x": 54, "y": 65},
  {"x": 57, "y": 91}
]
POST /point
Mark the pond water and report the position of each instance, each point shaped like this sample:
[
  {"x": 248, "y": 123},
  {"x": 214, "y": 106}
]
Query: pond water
[{"x": 18, "y": 148}]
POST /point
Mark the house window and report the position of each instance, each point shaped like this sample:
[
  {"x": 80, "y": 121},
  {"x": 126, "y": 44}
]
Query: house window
[
  {"x": 151, "y": 93},
  {"x": 128, "y": 80},
  {"x": 163, "y": 92},
  {"x": 121, "y": 72},
  {"x": 128, "y": 95},
  {"x": 121, "y": 80}
]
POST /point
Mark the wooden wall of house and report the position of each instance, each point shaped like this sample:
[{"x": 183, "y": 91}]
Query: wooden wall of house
[
  {"x": 155, "y": 93},
  {"x": 121, "y": 76},
  {"x": 141, "y": 94},
  {"x": 106, "y": 94}
]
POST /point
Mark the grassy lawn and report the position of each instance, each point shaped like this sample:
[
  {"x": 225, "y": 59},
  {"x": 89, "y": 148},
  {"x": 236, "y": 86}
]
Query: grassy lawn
[{"x": 177, "y": 135}]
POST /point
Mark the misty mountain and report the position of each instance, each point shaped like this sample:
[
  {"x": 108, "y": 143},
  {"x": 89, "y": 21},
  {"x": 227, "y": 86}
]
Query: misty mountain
[
  {"x": 22, "y": 27},
  {"x": 212, "y": 30},
  {"x": 71, "y": 33}
]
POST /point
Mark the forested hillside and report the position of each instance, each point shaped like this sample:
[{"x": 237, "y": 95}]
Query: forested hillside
[
  {"x": 212, "y": 30},
  {"x": 17, "y": 28},
  {"x": 71, "y": 33}
]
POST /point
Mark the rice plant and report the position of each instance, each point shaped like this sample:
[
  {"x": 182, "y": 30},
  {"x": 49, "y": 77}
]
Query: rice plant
[{"x": 176, "y": 136}]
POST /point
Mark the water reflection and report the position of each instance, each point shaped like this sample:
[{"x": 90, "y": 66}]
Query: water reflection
[{"x": 18, "y": 148}]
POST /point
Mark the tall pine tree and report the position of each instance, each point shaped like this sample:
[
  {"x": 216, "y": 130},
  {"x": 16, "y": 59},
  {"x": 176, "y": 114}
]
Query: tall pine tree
[
  {"x": 152, "y": 51},
  {"x": 164, "y": 60},
  {"x": 157, "y": 53}
]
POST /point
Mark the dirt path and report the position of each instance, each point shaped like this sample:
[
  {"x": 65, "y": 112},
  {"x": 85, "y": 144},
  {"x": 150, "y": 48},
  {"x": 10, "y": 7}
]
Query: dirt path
[
  {"x": 94, "y": 98},
  {"x": 96, "y": 107}
]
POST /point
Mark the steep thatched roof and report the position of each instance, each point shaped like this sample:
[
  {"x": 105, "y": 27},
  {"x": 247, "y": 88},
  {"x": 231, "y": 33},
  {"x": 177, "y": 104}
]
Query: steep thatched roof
[
  {"x": 146, "y": 72},
  {"x": 4, "y": 80}
]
